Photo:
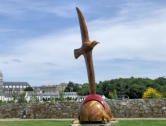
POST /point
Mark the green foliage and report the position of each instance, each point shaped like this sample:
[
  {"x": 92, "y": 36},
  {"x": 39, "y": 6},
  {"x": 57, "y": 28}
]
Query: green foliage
[
  {"x": 11, "y": 101},
  {"x": 61, "y": 95},
  {"x": 99, "y": 88},
  {"x": 61, "y": 98},
  {"x": 21, "y": 98},
  {"x": 113, "y": 94},
  {"x": 68, "y": 122},
  {"x": 132, "y": 87},
  {"x": 2, "y": 102},
  {"x": 72, "y": 87},
  {"x": 84, "y": 90},
  {"x": 58, "y": 99},
  {"x": 135, "y": 91},
  {"x": 36, "y": 123},
  {"x": 14, "y": 96},
  {"x": 28, "y": 89},
  {"x": 34, "y": 99}
]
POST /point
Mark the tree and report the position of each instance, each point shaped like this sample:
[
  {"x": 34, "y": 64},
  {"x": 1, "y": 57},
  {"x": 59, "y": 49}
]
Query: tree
[
  {"x": 136, "y": 91},
  {"x": 160, "y": 81},
  {"x": 84, "y": 90},
  {"x": 28, "y": 89},
  {"x": 132, "y": 87},
  {"x": 72, "y": 87},
  {"x": 99, "y": 88}
]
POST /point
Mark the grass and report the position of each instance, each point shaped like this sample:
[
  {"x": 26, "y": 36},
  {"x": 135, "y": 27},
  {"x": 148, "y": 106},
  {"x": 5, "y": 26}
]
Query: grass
[
  {"x": 141, "y": 123},
  {"x": 66, "y": 123},
  {"x": 36, "y": 123}
]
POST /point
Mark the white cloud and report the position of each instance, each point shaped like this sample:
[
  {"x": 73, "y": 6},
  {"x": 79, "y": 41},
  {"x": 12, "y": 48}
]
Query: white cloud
[
  {"x": 19, "y": 8},
  {"x": 41, "y": 55},
  {"x": 132, "y": 38},
  {"x": 120, "y": 38}
]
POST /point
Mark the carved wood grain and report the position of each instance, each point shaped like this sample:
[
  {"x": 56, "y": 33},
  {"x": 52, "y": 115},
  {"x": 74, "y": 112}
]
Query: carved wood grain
[{"x": 86, "y": 50}]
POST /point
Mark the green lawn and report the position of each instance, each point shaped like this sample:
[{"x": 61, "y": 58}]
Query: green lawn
[
  {"x": 141, "y": 123},
  {"x": 36, "y": 123},
  {"x": 66, "y": 123}
]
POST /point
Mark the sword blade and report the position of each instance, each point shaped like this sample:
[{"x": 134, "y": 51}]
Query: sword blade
[
  {"x": 86, "y": 50},
  {"x": 83, "y": 26},
  {"x": 90, "y": 71}
]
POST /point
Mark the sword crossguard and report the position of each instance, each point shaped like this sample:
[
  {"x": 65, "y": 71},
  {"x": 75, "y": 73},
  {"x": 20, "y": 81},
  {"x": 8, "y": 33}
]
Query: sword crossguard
[{"x": 86, "y": 47}]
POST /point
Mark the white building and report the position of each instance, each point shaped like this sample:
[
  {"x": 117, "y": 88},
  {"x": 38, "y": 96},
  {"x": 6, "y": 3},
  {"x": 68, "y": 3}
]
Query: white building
[
  {"x": 1, "y": 87},
  {"x": 70, "y": 95},
  {"x": 7, "y": 89}
]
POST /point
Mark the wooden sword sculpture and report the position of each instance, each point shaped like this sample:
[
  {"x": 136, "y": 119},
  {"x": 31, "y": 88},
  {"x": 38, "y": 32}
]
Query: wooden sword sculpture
[
  {"x": 94, "y": 109},
  {"x": 86, "y": 50}
]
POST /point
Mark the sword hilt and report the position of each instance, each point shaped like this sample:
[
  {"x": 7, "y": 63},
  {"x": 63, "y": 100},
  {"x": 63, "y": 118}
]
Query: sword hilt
[
  {"x": 86, "y": 47},
  {"x": 86, "y": 50}
]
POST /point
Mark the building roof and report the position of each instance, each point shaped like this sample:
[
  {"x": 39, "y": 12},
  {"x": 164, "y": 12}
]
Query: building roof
[{"x": 16, "y": 83}]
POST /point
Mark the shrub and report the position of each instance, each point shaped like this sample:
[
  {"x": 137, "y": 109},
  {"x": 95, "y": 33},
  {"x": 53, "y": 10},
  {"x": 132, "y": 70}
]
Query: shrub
[
  {"x": 34, "y": 99},
  {"x": 28, "y": 89},
  {"x": 152, "y": 93},
  {"x": 21, "y": 98},
  {"x": 113, "y": 95}
]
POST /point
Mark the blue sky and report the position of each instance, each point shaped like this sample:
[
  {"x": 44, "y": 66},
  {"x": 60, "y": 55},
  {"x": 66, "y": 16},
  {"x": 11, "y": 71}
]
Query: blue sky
[{"x": 37, "y": 39}]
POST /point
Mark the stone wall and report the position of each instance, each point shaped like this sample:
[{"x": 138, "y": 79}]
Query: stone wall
[{"x": 135, "y": 108}]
